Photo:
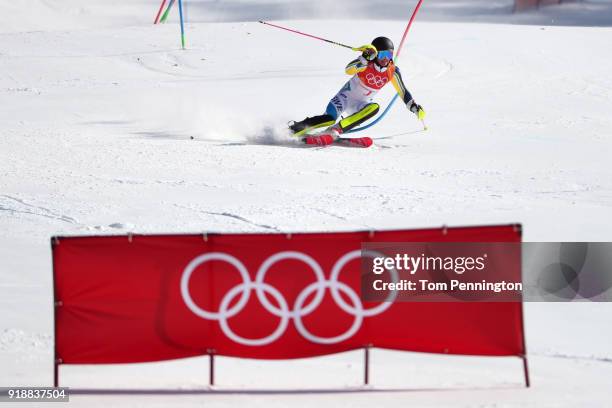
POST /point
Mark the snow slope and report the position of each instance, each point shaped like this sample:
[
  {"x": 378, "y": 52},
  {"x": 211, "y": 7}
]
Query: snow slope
[{"x": 98, "y": 113}]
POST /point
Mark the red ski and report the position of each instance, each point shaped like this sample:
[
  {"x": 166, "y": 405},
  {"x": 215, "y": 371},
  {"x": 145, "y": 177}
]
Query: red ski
[
  {"x": 356, "y": 141},
  {"x": 318, "y": 140},
  {"x": 327, "y": 139}
]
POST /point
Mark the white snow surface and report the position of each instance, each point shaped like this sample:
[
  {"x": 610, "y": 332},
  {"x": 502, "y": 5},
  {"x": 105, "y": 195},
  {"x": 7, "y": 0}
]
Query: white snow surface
[{"x": 108, "y": 127}]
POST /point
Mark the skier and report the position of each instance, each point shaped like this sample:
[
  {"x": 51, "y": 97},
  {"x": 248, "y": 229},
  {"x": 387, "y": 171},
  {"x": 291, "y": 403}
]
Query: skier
[{"x": 371, "y": 71}]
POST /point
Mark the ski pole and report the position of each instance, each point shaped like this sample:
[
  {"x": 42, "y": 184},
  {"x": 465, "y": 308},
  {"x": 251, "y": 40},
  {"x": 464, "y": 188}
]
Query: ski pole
[
  {"x": 314, "y": 36},
  {"x": 411, "y": 132}
]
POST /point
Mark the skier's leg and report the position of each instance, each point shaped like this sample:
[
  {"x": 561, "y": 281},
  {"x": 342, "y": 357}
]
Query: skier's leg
[
  {"x": 357, "y": 118},
  {"x": 365, "y": 111},
  {"x": 334, "y": 108},
  {"x": 310, "y": 123}
]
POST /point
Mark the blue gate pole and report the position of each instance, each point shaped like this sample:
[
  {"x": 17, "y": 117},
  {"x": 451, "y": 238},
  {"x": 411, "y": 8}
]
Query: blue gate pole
[{"x": 180, "y": 2}]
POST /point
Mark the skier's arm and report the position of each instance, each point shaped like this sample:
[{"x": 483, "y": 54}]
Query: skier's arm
[
  {"x": 361, "y": 63},
  {"x": 398, "y": 84},
  {"x": 356, "y": 66},
  {"x": 402, "y": 91}
]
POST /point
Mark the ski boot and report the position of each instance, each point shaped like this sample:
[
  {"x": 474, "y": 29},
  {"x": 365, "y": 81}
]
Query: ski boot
[{"x": 309, "y": 124}]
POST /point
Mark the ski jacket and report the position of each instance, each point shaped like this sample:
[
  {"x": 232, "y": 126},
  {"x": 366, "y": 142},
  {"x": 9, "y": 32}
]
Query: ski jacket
[{"x": 373, "y": 77}]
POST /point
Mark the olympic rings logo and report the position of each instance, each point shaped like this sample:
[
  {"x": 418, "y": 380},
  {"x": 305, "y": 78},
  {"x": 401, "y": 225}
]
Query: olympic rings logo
[
  {"x": 376, "y": 80},
  {"x": 283, "y": 311}
]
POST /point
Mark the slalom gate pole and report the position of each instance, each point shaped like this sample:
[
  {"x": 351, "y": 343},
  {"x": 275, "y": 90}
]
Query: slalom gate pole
[
  {"x": 180, "y": 2},
  {"x": 161, "y": 7},
  {"x": 399, "y": 50},
  {"x": 414, "y": 13},
  {"x": 165, "y": 16},
  {"x": 311, "y": 36}
]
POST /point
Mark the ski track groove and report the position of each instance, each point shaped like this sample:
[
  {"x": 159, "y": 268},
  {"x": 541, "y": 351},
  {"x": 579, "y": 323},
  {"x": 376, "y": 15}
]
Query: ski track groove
[
  {"x": 449, "y": 67},
  {"x": 339, "y": 217},
  {"x": 239, "y": 218},
  {"x": 233, "y": 77},
  {"x": 574, "y": 357},
  {"x": 232, "y": 216},
  {"x": 43, "y": 212}
]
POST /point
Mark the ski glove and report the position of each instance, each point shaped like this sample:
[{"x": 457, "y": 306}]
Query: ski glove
[
  {"x": 369, "y": 52},
  {"x": 416, "y": 109}
]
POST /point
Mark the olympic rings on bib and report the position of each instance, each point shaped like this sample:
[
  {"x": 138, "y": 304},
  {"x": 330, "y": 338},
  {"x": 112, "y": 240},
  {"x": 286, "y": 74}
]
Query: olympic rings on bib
[{"x": 376, "y": 80}]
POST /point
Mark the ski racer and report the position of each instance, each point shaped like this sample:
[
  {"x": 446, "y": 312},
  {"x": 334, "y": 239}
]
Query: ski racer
[{"x": 371, "y": 72}]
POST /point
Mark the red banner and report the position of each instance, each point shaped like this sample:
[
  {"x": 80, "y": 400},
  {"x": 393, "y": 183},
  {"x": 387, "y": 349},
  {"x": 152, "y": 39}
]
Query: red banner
[{"x": 274, "y": 296}]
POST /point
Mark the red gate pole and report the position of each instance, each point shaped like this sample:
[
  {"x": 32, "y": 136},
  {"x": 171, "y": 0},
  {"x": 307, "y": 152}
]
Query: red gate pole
[{"x": 161, "y": 7}]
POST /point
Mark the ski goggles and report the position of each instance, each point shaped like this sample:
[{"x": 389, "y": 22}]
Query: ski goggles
[{"x": 386, "y": 54}]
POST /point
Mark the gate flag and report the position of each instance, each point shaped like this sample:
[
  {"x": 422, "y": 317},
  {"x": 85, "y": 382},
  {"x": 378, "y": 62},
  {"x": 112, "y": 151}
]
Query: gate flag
[{"x": 123, "y": 299}]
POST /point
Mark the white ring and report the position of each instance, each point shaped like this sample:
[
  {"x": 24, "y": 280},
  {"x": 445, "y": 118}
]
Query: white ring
[
  {"x": 299, "y": 325},
  {"x": 348, "y": 308},
  {"x": 283, "y": 311},
  {"x": 282, "y": 326},
  {"x": 244, "y": 274},
  {"x": 316, "y": 268}
]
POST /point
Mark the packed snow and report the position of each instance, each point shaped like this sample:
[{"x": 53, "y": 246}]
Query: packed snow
[{"x": 108, "y": 127}]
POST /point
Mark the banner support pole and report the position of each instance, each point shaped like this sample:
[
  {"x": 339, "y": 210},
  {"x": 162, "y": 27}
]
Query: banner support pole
[
  {"x": 211, "y": 368},
  {"x": 526, "y": 371},
  {"x": 523, "y": 356},
  {"x": 55, "y": 373},
  {"x": 56, "y": 360},
  {"x": 366, "y": 365}
]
